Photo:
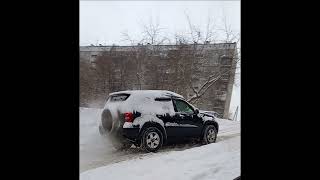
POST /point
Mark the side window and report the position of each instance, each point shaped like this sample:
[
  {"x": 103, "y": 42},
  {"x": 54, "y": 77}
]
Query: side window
[
  {"x": 119, "y": 97},
  {"x": 165, "y": 105},
  {"x": 182, "y": 106}
]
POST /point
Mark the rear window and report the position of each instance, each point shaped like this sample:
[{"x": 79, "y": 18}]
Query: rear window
[{"x": 119, "y": 97}]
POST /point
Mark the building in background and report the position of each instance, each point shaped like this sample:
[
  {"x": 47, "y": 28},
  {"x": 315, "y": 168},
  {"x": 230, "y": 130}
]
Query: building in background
[{"x": 183, "y": 69}]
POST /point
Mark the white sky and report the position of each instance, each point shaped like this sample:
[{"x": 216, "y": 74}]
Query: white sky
[{"x": 102, "y": 22}]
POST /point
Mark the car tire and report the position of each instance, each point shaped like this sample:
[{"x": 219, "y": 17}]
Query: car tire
[
  {"x": 209, "y": 134},
  {"x": 152, "y": 139}
]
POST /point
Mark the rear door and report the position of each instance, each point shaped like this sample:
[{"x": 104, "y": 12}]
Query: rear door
[
  {"x": 190, "y": 124},
  {"x": 170, "y": 121}
]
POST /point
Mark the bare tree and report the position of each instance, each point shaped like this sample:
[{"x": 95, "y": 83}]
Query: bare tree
[
  {"x": 212, "y": 79},
  {"x": 193, "y": 43},
  {"x": 148, "y": 44},
  {"x": 197, "y": 37},
  {"x": 86, "y": 83}
]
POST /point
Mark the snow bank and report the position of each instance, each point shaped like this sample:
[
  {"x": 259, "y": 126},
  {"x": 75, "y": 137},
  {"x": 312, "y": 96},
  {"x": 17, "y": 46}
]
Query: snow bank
[
  {"x": 213, "y": 161},
  {"x": 89, "y": 121},
  {"x": 93, "y": 146}
]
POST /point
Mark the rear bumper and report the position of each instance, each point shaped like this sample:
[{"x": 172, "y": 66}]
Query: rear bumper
[{"x": 131, "y": 133}]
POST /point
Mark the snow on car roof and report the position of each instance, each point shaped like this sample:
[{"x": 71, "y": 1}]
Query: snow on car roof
[{"x": 155, "y": 93}]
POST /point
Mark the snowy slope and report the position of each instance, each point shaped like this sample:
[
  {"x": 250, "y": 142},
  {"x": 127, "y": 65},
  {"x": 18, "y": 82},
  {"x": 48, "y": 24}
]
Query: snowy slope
[{"x": 214, "y": 161}]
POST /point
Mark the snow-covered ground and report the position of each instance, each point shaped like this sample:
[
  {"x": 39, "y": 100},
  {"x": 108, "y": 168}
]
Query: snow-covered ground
[{"x": 99, "y": 160}]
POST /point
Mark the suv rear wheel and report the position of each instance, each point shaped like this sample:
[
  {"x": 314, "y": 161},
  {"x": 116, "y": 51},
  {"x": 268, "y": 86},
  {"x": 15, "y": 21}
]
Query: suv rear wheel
[
  {"x": 210, "y": 134},
  {"x": 152, "y": 139}
]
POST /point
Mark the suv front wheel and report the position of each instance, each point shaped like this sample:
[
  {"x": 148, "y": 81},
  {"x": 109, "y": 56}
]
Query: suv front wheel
[
  {"x": 152, "y": 139},
  {"x": 210, "y": 134}
]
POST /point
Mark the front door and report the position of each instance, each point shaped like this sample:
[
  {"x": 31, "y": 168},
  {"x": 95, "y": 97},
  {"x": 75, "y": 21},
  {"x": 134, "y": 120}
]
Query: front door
[{"x": 190, "y": 124}]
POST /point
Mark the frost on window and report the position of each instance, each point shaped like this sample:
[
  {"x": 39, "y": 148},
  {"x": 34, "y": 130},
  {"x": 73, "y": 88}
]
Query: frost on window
[
  {"x": 166, "y": 106},
  {"x": 119, "y": 97}
]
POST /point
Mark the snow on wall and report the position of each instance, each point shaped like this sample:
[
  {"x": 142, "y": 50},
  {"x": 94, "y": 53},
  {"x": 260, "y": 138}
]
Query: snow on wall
[{"x": 159, "y": 47}]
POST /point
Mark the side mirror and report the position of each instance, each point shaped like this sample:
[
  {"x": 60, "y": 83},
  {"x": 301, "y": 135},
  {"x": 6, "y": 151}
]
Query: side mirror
[{"x": 196, "y": 111}]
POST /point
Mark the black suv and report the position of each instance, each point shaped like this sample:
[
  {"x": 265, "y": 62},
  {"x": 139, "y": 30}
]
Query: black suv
[{"x": 151, "y": 118}]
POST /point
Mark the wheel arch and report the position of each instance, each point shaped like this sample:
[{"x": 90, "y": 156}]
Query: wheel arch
[
  {"x": 154, "y": 124},
  {"x": 214, "y": 123}
]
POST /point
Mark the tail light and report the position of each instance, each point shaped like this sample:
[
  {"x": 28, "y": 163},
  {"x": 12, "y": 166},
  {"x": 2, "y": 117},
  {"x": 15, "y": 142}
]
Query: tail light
[{"x": 128, "y": 117}]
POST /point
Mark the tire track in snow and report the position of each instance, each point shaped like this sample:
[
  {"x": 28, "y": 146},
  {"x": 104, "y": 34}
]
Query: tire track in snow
[{"x": 96, "y": 151}]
